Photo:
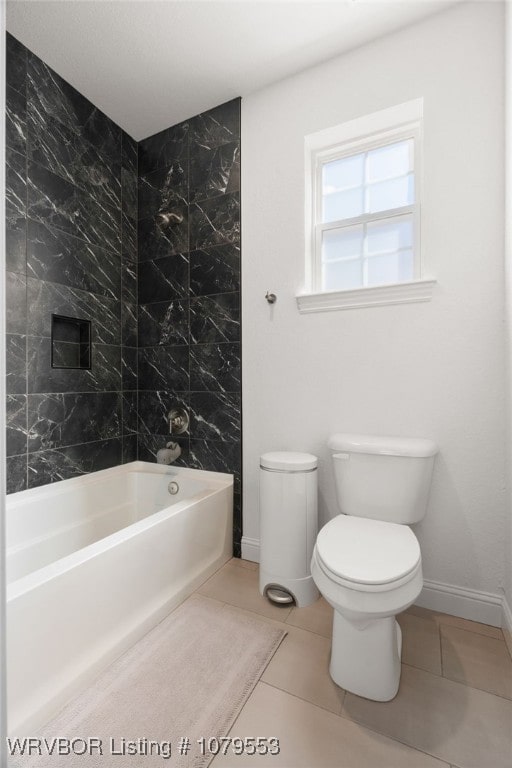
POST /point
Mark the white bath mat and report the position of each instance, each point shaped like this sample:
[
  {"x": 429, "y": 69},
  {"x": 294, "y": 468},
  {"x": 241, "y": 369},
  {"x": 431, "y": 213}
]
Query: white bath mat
[{"x": 186, "y": 680}]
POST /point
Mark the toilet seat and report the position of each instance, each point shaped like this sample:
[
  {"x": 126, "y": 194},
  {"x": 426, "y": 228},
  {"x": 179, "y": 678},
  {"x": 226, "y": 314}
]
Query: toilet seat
[{"x": 367, "y": 555}]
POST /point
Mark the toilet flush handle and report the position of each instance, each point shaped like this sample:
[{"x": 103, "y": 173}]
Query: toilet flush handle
[{"x": 341, "y": 456}]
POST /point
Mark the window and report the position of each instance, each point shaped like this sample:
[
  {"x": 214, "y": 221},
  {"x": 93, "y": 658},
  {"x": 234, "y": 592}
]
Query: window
[
  {"x": 363, "y": 205},
  {"x": 367, "y": 208}
]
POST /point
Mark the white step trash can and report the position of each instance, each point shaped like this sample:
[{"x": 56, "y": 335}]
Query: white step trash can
[{"x": 288, "y": 526}]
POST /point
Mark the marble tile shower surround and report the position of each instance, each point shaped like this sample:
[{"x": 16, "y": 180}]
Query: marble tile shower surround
[
  {"x": 83, "y": 241},
  {"x": 189, "y": 291},
  {"x": 71, "y": 204}
]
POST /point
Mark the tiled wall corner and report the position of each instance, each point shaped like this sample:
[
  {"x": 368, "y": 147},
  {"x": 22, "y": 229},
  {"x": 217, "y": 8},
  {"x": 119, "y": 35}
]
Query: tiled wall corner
[
  {"x": 71, "y": 250},
  {"x": 88, "y": 237},
  {"x": 189, "y": 291}
]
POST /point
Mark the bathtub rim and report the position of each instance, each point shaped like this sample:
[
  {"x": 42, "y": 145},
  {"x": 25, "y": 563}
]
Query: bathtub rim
[
  {"x": 217, "y": 482},
  {"x": 59, "y": 487}
]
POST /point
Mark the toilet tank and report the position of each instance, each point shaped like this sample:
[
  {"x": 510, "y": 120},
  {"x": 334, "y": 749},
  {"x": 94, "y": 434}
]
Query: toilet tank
[{"x": 383, "y": 478}]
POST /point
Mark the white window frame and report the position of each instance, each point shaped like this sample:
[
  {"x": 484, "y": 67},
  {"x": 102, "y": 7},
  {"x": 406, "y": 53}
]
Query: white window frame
[{"x": 363, "y": 134}]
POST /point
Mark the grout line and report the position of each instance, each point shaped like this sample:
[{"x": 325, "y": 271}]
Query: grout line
[
  {"x": 472, "y": 632},
  {"x": 307, "y": 701},
  {"x": 437, "y": 618},
  {"x": 373, "y": 729},
  {"x": 508, "y": 647},
  {"x": 482, "y": 690},
  {"x": 211, "y": 577},
  {"x": 221, "y": 605},
  {"x": 250, "y": 610},
  {"x": 458, "y": 682},
  {"x": 261, "y": 616},
  {"x": 422, "y": 669},
  {"x": 304, "y": 629},
  {"x": 440, "y": 649},
  {"x": 353, "y": 721}
]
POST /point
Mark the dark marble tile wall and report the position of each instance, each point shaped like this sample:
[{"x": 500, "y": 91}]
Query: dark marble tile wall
[
  {"x": 71, "y": 189},
  {"x": 143, "y": 241},
  {"x": 189, "y": 291}
]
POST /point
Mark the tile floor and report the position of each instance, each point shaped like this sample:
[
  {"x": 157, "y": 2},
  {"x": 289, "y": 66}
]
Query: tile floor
[{"x": 454, "y": 707}]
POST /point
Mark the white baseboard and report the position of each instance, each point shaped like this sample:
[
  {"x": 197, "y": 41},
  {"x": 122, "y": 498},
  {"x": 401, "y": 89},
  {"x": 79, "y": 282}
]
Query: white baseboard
[
  {"x": 506, "y": 623},
  {"x": 251, "y": 549},
  {"x": 459, "y": 601},
  {"x": 446, "y": 598}
]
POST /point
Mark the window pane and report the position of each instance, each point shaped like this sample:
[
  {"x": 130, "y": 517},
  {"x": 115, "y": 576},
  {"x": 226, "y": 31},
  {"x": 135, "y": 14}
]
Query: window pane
[
  {"x": 390, "y": 268},
  {"x": 390, "y": 194},
  {"x": 364, "y": 191},
  {"x": 343, "y": 205},
  {"x": 389, "y": 235},
  {"x": 342, "y": 243},
  {"x": 342, "y": 174},
  {"x": 341, "y": 275},
  {"x": 390, "y": 161}
]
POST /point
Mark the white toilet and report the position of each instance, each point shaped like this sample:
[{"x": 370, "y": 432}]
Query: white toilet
[{"x": 367, "y": 561}]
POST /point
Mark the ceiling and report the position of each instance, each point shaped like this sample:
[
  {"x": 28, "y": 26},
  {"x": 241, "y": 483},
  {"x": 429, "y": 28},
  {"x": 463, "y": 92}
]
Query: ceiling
[{"x": 149, "y": 64}]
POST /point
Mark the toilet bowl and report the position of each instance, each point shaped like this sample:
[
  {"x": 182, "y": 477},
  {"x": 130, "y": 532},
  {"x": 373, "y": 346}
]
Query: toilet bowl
[
  {"x": 369, "y": 567},
  {"x": 368, "y": 571}
]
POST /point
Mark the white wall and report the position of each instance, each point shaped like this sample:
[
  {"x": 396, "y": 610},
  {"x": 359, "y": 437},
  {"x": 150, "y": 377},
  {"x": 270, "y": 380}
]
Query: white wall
[
  {"x": 429, "y": 370},
  {"x": 507, "y": 617}
]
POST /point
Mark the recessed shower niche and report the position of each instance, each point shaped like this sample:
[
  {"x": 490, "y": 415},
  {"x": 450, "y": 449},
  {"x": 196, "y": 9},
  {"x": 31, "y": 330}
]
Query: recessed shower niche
[{"x": 71, "y": 342}]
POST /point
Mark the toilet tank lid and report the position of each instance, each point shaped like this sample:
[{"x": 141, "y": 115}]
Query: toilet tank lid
[
  {"x": 414, "y": 447},
  {"x": 288, "y": 461}
]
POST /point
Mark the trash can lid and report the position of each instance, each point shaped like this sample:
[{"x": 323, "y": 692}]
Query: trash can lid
[{"x": 288, "y": 461}]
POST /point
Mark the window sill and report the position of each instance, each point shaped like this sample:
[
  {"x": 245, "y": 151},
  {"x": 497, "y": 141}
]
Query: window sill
[{"x": 376, "y": 296}]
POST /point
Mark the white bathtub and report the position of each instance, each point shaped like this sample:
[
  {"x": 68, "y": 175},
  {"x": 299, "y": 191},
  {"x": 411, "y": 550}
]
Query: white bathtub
[{"x": 93, "y": 563}]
